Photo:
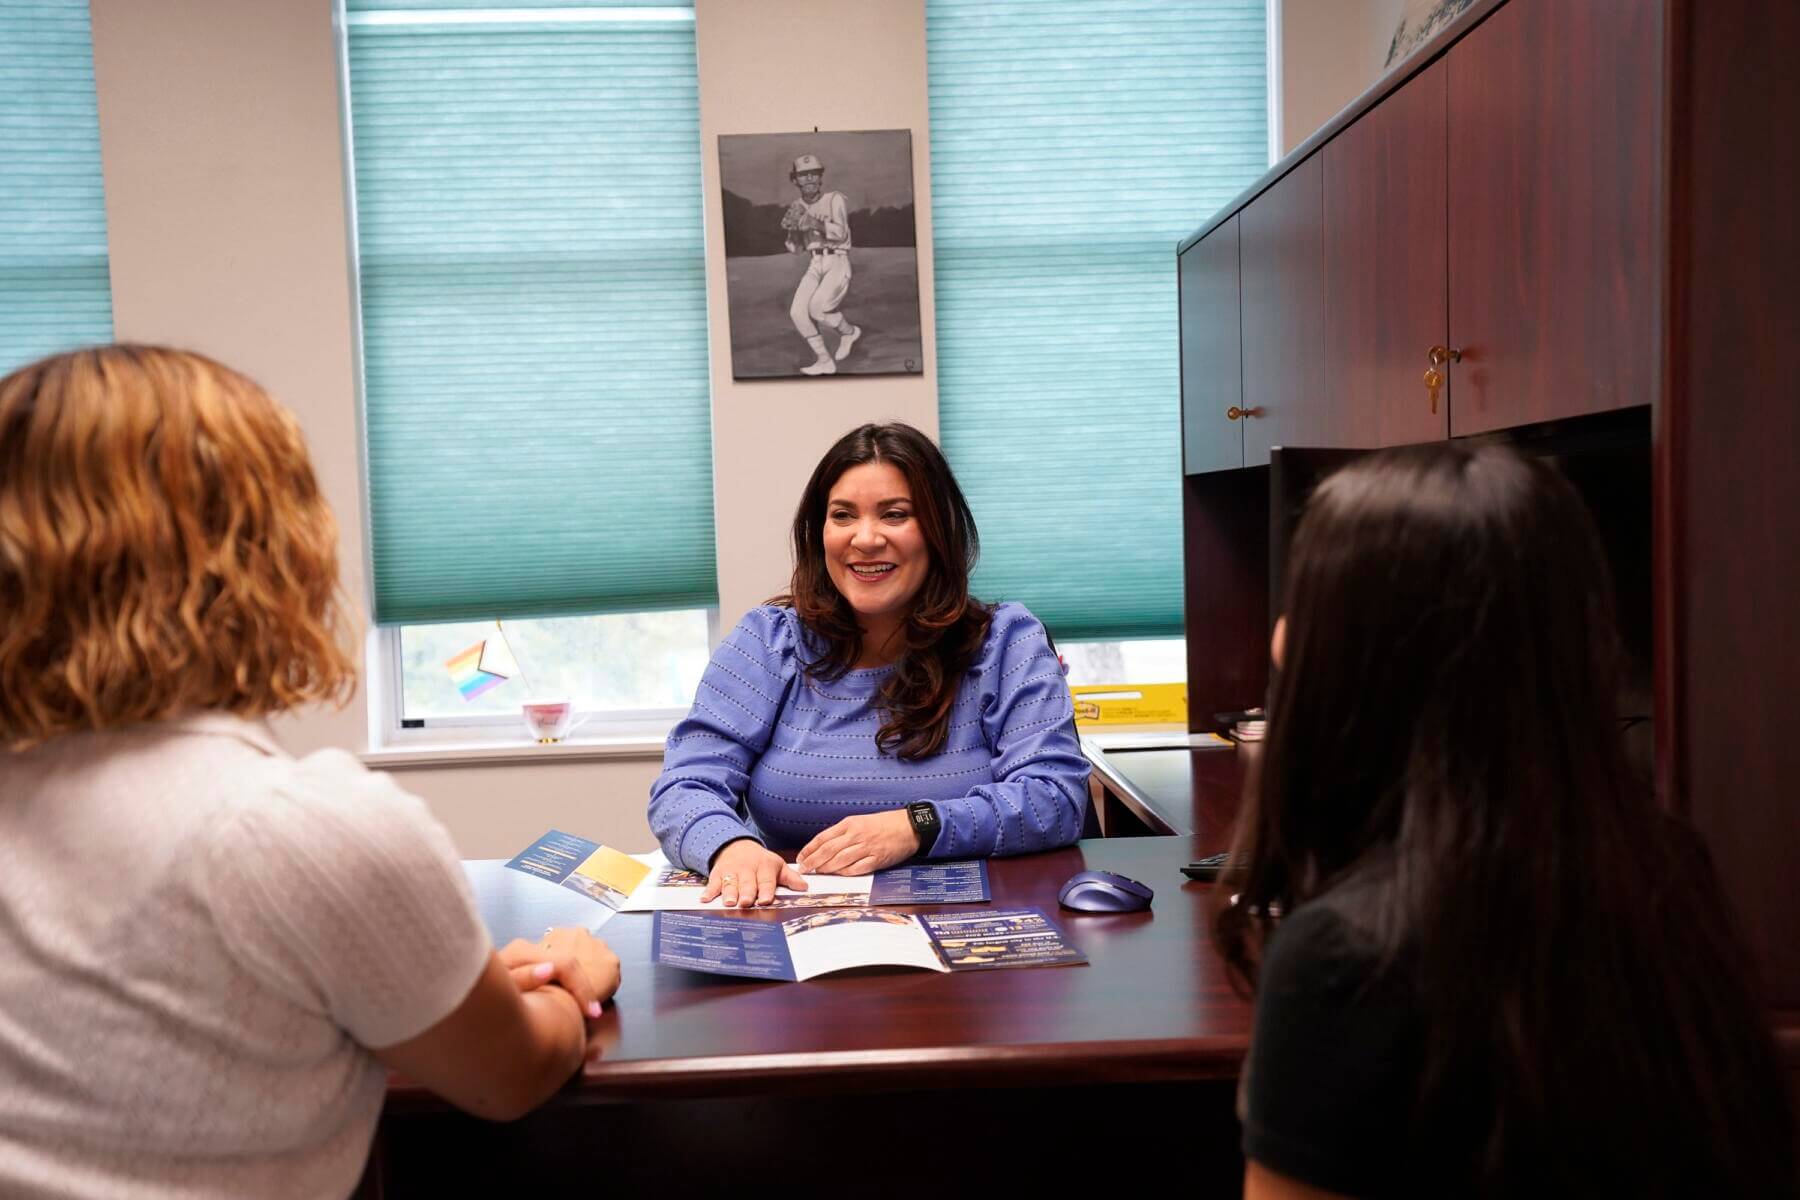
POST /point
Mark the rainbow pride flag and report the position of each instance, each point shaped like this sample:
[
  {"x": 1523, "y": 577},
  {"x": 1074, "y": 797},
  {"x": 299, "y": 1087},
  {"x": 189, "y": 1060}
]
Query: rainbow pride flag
[{"x": 481, "y": 668}]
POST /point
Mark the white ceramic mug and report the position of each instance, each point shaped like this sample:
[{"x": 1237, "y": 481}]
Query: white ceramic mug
[{"x": 548, "y": 720}]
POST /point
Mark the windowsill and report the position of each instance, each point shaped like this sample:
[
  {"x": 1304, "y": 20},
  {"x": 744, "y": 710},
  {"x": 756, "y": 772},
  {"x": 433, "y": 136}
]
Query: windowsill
[{"x": 493, "y": 751}]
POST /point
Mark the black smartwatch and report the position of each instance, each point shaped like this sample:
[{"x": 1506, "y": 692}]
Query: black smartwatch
[{"x": 925, "y": 823}]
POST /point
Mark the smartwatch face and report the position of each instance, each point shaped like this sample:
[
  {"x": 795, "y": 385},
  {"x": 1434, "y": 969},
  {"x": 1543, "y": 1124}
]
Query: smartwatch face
[{"x": 924, "y": 818}]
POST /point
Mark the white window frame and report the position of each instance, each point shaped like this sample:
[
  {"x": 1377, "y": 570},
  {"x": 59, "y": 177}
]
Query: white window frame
[{"x": 602, "y": 733}]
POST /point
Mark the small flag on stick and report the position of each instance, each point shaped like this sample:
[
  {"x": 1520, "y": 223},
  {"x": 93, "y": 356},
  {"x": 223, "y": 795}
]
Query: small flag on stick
[{"x": 482, "y": 667}]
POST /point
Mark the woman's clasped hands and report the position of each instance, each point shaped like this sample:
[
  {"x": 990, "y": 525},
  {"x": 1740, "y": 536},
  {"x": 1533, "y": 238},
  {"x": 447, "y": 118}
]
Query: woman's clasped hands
[{"x": 572, "y": 959}]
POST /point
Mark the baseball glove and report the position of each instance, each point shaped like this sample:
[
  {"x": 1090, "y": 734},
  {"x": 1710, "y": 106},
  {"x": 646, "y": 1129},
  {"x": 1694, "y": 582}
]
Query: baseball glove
[{"x": 796, "y": 216}]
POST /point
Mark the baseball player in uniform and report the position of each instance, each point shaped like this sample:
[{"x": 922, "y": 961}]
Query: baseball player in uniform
[{"x": 818, "y": 225}]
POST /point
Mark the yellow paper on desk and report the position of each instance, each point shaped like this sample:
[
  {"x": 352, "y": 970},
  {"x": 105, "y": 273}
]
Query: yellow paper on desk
[{"x": 1143, "y": 704}]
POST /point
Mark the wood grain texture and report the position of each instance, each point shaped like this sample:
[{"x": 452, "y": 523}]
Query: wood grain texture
[
  {"x": 1212, "y": 363},
  {"x": 1728, "y": 446},
  {"x": 1554, "y": 111},
  {"x": 1283, "y": 264},
  {"x": 1153, "y": 1004},
  {"x": 1385, "y": 265},
  {"x": 1377, "y": 93}
]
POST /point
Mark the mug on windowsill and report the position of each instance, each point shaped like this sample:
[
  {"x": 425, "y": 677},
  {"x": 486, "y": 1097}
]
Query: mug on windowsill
[{"x": 549, "y": 721}]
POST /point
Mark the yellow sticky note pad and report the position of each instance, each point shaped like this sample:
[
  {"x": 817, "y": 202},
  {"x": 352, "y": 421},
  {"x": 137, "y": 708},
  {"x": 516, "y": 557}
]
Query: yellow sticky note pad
[{"x": 1143, "y": 704}]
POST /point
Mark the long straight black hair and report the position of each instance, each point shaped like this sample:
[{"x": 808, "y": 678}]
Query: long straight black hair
[
  {"x": 945, "y": 626},
  {"x": 1443, "y": 734}
]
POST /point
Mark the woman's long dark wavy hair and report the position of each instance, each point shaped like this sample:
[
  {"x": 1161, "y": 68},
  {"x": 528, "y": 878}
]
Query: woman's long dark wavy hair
[
  {"x": 945, "y": 627},
  {"x": 1443, "y": 735}
]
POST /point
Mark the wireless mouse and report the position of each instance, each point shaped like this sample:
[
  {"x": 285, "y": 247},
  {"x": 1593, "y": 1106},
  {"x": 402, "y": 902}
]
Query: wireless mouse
[{"x": 1102, "y": 891}]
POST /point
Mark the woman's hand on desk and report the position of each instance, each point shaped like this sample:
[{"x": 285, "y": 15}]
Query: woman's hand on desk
[
  {"x": 860, "y": 845},
  {"x": 746, "y": 873},
  {"x": 573, "y": 959}
]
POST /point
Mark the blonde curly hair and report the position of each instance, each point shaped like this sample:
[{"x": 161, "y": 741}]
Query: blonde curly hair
[{"x": 163, "y": 547}]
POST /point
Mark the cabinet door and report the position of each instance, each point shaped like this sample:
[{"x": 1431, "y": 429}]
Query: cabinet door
[
  {"x": 1384, "y": 266},
  {"x": 1554, "y": 112},
  {"x": 1212, "y": 365},
  {"x": 1283, "y": 262}
]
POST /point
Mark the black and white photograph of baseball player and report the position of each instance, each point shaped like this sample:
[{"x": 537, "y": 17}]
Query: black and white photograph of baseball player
[{"x": 821, "y": 254}]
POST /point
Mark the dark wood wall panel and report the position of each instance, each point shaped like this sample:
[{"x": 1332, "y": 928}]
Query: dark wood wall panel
[
  {"x": 1283, "y": 261},
  {"x": 1728, "y": 444},
  {"x": 1212, "y": 365},
  {"x": 1385, "y": 266},
  {"x": 1554, "y": 115}
]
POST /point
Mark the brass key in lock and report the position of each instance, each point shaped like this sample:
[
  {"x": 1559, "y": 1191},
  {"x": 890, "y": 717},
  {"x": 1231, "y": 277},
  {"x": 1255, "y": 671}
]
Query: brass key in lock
[{"x": 1434, "y": 379}]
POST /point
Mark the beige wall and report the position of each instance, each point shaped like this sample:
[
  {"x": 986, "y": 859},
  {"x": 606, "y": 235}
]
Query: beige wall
[
  {"x": 760, "y": 74},
  {"x": 1331, "y": 51},
  {"x": 222, "y": 149}
]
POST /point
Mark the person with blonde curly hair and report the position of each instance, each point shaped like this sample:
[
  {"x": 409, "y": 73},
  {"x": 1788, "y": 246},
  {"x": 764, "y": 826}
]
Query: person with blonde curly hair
[{"x": 211, "y": 952}]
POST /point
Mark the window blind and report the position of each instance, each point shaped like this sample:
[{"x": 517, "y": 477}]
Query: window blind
[
  {"x": 533, "y": 298},
  {"x": 55, "y": 291},
  {"x": 1073, "y": 144}
]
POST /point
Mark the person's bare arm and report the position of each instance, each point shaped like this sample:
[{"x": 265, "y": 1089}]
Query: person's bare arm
[
  {"x": 504, "y": 1050},
  {"x": 1260, "y": 1183}
]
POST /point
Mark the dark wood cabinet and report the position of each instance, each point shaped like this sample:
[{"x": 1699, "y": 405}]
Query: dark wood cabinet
[
  {"x": 1728, "y": 464},
  {"x": 1384, "y": 232},
  {"x": 1212, "y": 365},
  {"x": 1591, "y": 200},
  {"x": 1554, "y": 112},
  {"x": 1283, "y": 258}
]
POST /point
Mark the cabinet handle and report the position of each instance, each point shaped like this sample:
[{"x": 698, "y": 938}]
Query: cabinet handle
[{"x": 1439, "y": 355}]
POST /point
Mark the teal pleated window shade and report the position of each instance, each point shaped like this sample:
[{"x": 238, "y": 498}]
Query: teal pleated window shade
[
  {"x": 1073, "y": 144},
  {"x": 533, "y": 298},
  {"x": 55, "y": 290}
]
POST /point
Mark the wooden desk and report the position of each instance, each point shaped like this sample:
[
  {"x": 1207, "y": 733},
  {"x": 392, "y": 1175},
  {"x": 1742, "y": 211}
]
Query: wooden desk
[
  {"x": 1168, "y": 791},
  {"x": 879, "y": 1081}
]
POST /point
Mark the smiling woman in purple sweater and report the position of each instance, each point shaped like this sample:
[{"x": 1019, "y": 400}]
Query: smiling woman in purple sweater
[{"x": 877, "y": 711}]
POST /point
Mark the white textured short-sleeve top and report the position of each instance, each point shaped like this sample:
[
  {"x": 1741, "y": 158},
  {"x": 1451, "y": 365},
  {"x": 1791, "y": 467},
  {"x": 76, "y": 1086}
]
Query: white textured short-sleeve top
[{"x": 200, "y": 937}]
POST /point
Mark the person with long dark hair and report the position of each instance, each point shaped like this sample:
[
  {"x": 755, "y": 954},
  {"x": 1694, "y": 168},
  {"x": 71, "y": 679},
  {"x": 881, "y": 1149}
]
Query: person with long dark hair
[
  {"x": 1485, "y": 962},
  {"x": 877, "y": 710}
]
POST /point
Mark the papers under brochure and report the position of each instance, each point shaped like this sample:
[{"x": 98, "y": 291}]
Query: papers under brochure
[
  {"x": 648, "y": 882},
  {"x": 807, "y": 945}
]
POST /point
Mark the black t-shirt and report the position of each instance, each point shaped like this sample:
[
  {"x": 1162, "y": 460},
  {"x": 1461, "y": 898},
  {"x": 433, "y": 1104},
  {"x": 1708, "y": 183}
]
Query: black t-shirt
[{"x": 1334, "y": 1064}]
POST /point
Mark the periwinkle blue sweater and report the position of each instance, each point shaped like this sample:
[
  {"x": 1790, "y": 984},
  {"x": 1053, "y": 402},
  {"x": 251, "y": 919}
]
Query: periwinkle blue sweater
[{"x": 771, "y": 754}]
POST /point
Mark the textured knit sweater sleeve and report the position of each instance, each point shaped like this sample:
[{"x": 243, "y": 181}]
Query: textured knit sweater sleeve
[
  {"x": 696, "y": 804},
  {"x": 1039, "y": 794}
]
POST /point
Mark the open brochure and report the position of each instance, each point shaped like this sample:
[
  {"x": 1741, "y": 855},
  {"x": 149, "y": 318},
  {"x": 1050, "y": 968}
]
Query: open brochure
[
  {"x": 817, "y": 943},
  {"x": 648, "y": 882}
]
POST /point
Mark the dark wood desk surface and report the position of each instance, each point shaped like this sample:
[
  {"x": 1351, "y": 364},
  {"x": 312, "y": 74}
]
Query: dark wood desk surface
[
  {"x": 1170, "y": 791},
  {"x": 1152, "y": 1004},
  {"x": 705, "y": 1081}
]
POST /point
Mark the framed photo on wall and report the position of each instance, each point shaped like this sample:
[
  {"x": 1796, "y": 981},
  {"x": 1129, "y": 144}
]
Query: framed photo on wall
[{"x": 821, "y": 254}]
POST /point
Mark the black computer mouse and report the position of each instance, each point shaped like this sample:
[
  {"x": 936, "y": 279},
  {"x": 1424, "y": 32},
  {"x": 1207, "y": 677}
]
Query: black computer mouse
[{"x": 1103, "y": 891}]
